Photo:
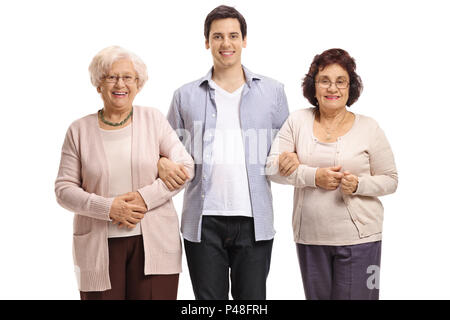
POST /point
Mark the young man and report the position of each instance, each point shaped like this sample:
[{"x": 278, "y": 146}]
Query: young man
[{"x": 227, "y": 121}]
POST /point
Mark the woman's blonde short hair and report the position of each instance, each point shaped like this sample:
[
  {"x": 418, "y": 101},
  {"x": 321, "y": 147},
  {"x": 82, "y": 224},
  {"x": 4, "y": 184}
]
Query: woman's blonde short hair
[{"x": 102, "y": 62}]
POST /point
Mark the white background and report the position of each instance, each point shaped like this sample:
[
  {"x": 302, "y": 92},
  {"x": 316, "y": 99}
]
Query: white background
[{"x": 402, "y": 54}]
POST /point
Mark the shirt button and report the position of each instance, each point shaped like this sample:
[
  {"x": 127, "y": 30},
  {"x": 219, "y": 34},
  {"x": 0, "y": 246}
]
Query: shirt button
[
  {"x": 214, "y": 115},
  {"x": 203, "y": 196}
]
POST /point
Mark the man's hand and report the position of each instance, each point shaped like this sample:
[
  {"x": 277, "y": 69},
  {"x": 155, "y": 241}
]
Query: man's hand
[
  {"x": 287, "y": 163},
  {"x": 174, "y": 175}
]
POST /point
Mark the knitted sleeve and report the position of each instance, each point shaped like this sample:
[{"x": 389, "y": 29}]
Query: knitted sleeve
[
  {"x": 69, "y": 193},
  {"x": 303, "y": 176},
  {"x": 383, "y": 177}
]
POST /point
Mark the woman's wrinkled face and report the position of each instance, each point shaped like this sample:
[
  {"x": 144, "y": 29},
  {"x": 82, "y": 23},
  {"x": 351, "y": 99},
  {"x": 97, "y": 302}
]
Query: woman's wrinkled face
[
  {"x": 119, "y": 86},
  {"x": 332, "y": 87}
]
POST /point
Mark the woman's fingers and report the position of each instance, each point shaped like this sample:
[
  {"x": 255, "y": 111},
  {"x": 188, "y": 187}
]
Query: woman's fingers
[
  {"x": 126, "y": 214},
  {"x": 173, "y": 183},
  {"x": 133, "y": 220},
  {"x": 289, "y": 168},
  {"x": 167, "y": 183},
  {"x": 137, "y": 215},
  {"x": 283, "y": 168},
  {"x": 130, "y": 220},
  {"x": 137, "y": 208},
  {"x": 124, "y": 223},
  {"x": 332, "y": 185},
  {"x": 181, "y": 173},
  {"x": 287, "y": 163},
  {"x": 186, "y": 174},
  {"x": 283, "y": 160},
  {"x": 178, "y": 178},
  {"x": 348, "y": 183}
]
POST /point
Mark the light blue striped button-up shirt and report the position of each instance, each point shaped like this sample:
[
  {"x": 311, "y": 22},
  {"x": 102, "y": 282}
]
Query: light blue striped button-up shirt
[{"x": 192, "y": 114}]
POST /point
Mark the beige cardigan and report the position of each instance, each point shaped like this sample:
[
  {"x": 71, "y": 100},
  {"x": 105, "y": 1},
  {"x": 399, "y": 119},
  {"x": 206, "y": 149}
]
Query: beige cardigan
[
  {"x": 82, "y": 187},
  {"x": 364, "y": 151}
]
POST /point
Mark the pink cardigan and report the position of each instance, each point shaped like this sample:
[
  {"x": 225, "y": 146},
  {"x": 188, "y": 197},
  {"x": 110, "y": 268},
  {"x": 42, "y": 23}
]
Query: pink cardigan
[
  {"x": 364, "y": 151},
  {"x": 82, "y": 187}
]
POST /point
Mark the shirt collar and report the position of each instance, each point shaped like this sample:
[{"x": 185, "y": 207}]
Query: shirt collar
[{"x": 249, "y": 77}]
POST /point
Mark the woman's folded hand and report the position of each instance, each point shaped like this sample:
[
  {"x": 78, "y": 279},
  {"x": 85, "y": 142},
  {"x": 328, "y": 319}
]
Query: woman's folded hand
[
  {"x": 329, "y": 178},
  {"x": 127, "y": 210}
]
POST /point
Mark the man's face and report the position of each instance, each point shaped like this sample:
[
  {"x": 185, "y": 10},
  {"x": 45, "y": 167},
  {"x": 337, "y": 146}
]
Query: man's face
[{"x": 226, "y": 42}]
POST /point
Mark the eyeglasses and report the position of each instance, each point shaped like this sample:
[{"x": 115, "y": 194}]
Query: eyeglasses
[
  {"x": 128, "y": 79},
  {"x": 326, "y": 83}
]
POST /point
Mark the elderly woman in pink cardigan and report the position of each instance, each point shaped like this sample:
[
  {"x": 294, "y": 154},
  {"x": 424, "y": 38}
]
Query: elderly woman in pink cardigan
[
  {"x": 126, "y": 242},
  {"x": 340, "y": 162}
]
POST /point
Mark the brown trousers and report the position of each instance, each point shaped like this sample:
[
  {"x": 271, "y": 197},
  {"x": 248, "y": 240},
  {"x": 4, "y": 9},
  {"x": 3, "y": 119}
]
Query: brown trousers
[{"x": 126, "y": 271}]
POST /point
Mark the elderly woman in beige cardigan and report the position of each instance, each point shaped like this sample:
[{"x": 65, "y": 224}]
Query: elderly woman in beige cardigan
[
  {"x": 340, "y": 163},
  {"x": 126, "y": 243}
]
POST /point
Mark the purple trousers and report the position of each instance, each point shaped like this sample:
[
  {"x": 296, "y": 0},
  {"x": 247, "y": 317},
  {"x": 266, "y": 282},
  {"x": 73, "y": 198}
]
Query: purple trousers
[{"x": 340, "y": 272}]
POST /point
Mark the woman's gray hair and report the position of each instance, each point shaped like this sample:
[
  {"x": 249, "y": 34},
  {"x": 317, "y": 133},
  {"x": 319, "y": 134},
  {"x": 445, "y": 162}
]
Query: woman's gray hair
[{"x": 102, "y": 62}]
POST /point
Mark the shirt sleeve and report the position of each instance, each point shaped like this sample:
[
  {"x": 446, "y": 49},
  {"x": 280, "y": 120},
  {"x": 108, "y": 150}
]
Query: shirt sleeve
[
  {"x": 282, "y": 111},
  {"x": 174, "y": 115},
  {"x": 69, "y": 193},
  {"x": 383, "y": 178}
]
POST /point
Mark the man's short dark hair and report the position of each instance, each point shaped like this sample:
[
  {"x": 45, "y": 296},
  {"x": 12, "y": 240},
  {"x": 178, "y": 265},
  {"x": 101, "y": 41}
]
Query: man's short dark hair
[{"x": 223, "y": 12}]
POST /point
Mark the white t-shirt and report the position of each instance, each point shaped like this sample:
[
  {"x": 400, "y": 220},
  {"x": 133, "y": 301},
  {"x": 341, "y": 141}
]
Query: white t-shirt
[
  {"x": 228, "y": 194},
  {"x": 117, "y": 145}
]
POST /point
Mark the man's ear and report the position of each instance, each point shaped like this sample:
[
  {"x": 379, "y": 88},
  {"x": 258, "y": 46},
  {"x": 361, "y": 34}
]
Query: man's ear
[
  {"x": 244, "y": 42},
  {"x": 207, "y": 44}
]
